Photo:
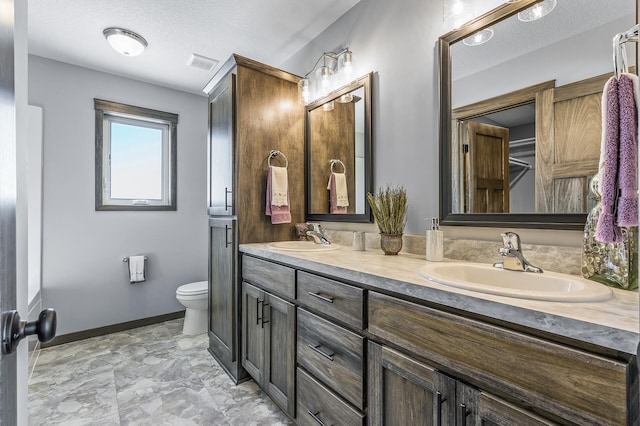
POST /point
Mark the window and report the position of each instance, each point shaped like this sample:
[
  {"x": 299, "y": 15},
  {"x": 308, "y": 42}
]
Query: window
[{"x": 135, "y": 157}]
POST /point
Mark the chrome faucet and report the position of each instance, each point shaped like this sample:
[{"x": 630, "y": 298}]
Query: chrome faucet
[
  {"x": 317, "y": 234},
  {"x": 512, "y": 257}
]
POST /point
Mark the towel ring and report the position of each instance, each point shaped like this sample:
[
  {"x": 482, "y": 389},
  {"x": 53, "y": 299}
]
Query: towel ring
[
  {"x": 334, "y": 162},
  {"x": 275, "y": 153}
]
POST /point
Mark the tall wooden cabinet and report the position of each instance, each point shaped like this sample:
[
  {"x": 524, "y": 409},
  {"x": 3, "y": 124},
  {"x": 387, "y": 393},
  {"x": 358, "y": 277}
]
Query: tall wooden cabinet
[{"x": 253, "y": 109}]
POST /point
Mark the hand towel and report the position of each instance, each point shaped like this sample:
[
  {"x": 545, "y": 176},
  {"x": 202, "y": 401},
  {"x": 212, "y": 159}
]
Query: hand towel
[
  {"x": 136, "y": 269},
  {"x": 279, "y": 186},
  {"x": 606, "y": 230},
  {"x": 627, "y": 207},
  {"x": 338, "y": 197},
  {"x": 279, "y": 213}
]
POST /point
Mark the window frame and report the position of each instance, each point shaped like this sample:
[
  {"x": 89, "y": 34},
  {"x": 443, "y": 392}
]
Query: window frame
[{"x": 105, "y": 113}]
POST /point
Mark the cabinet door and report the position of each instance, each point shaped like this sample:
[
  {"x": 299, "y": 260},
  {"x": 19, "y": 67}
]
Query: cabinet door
[
  {"x": 253, "y": 301},
  {"x": 221, "y": 148},
  {"x": 478, "y": 408},
  {"x": 279, "y": 322},
  {"x": 222, "y": 289},
  {"x": 405, "y": 392}
]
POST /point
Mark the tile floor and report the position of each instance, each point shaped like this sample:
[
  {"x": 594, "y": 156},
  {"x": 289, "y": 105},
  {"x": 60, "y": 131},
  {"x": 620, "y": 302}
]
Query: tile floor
[{"x": 146, "y": 376}]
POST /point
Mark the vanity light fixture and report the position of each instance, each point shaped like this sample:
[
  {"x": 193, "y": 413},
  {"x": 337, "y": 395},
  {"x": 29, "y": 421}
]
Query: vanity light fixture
[
  {"x": 456, "y": 13},
  {"x": 537, "y": 11},
  {"x": 479, "y": 37},
  {"x": 124, "y": 41},
  {"x": 335, "y": 72}
]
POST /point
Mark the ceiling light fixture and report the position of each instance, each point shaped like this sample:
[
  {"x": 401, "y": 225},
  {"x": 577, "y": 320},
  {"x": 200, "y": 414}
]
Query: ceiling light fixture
[
  {"x": 335, "y": 72},
  {"x": 124, "y": 41},
  {"x": 478, "y": 38},
  {"x": 537, "y": 11}
]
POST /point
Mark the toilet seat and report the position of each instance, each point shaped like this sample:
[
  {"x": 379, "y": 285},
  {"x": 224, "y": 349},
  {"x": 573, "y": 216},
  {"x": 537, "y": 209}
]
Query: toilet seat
[{"x": 193, "y": 289}]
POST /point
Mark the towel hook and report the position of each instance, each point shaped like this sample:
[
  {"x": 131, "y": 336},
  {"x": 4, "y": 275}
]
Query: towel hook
[
  {"x": 275, "y": 153},
  {"x": 334, "y": 162}
]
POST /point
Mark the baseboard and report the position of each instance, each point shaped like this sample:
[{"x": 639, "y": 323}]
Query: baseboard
[{"x": 109, "y": 329}]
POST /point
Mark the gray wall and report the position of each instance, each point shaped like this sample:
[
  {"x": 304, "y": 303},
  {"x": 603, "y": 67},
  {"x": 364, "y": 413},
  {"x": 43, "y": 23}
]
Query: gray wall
[
  {"x": 396, "y": 40},
  {"x": 83, "y": 275}
]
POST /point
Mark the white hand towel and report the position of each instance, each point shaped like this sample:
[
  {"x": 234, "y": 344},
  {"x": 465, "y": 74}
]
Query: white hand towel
[
  {"x": 136, "y": 269},
  {"x": 341, "y": 193},
  {"x": 279, "y": 186}
]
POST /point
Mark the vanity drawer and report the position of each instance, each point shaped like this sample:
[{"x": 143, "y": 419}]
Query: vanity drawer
[
  {"x": 570, "y": 383},
  {"x": 332, "y": 354},
  {"x": 277, "y": 279},
  {"x": 338, "y": 300},
  {"x": 316, "y": 403}
]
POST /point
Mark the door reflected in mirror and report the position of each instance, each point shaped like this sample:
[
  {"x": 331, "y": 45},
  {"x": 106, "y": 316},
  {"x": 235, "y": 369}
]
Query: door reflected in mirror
[{"x": 338, "y": 132}]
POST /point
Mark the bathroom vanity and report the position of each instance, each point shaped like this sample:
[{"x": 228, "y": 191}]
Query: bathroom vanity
[{"x": 344, "y": 337}]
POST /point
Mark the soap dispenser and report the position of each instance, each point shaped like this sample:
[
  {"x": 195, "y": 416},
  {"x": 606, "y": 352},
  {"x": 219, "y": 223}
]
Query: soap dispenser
[{"x": 435, "y": 241}]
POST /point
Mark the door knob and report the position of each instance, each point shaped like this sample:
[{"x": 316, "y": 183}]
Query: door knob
[{"x": 14, "y": 330}]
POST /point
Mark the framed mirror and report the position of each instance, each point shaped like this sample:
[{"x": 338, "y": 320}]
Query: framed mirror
[
  {"x": 520, "y": 114},
  {"x": 338, "y": 154}
]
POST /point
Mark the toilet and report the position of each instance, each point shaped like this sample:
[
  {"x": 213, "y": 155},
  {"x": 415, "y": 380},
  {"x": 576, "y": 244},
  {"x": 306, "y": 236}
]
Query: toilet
[{"x": 194, "y": 297}]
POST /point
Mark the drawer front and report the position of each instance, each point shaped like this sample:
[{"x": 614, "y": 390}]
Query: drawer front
[
  {"x": 332, "y": 354},
  {"x": 316, "y": 404},
  {"x": 275, "y": 278},
  {"x": 333, "y": 298},
  {"x": 573, "y": 384}
]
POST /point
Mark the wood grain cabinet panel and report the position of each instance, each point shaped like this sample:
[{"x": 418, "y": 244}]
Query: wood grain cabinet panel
[
  {"x": 334, "y": 299},
  {"x": 317, "y": 405},
  {"x": 405, "y": 392},
  {"x": 572, "y": 384},
  {"x": 332, "y": 354},
  {"x": 268, "y": 344},
  {"x": 276, "y": 279}
]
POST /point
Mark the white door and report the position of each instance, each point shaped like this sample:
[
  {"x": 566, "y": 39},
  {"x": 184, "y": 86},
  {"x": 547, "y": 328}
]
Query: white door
[{"x": 8, "y": 362}]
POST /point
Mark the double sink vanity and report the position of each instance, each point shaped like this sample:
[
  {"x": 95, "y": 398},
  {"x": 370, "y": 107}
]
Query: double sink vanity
[{"x": 337, "y": 336}]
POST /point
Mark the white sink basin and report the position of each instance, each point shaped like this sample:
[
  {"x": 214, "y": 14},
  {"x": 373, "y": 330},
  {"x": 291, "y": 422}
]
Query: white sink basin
[
  {"x": 301, "y": 246},
  {"x": 525, "y": 285}
]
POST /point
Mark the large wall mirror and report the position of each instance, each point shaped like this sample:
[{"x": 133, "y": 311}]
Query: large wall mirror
[
  {"x": 338, "y": 139},
  {"x": 520, "y": 123}
]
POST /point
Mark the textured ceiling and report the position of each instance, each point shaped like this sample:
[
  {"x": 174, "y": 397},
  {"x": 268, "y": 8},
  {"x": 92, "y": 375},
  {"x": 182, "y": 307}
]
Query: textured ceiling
[{"x": 268, "y": 31}]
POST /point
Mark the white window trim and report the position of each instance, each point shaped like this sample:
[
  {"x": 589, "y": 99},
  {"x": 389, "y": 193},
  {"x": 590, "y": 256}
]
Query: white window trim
[{"x": 108, "y": 112}]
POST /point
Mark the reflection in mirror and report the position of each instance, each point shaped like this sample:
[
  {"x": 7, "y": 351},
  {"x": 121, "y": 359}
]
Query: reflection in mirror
[
  {"x": 338, "y": 132},
  {"x": 521, "y": 113}
]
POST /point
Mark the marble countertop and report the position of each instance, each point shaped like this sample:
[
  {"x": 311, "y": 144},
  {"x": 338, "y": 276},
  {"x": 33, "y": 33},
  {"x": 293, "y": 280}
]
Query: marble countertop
[{"x": 611, "y": 324}]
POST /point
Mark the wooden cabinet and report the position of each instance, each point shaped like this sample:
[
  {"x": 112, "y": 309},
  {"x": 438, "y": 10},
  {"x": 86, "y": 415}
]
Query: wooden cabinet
[
  {"x": 404, "y": 392},
  {"x": 268, "y": 344},
  {"x": 223, "y": 294},
  {"x": 221, "y": 147},
  {"x": 575, "y": 386},
  {"x": 417, "y": 365},
  {"x": 253, "y": 109}
]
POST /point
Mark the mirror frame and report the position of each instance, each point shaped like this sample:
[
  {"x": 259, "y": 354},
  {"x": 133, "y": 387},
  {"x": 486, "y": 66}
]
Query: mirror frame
[
  {"x": 447, "y": 217},
  {"x": 366, "y": 82}
]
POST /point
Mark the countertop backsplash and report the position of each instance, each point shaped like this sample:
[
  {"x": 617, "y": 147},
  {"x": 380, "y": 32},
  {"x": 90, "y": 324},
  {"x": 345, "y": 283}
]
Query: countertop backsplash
[{"x": 567, "y": 260}]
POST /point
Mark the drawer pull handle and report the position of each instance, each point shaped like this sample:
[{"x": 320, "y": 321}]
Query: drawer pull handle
[
  {"x": 324, "y": 354},
  {"x": 262, "y": 320},
  {"x": 315, "y": 417},
  {"x": 321, "y": 297}
]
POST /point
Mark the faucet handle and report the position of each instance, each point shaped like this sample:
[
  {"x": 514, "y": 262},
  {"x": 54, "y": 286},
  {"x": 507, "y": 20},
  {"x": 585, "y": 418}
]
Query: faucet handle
[{"x": 511, "y": 240}]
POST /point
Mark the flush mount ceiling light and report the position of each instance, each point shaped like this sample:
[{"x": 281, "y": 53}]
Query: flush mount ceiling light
[
  {"x": 336, "y": 71},
  {"x": 479, "y": 38},
  {"x": 124, "y": 41},
  {"x": 537, "y": 11}
]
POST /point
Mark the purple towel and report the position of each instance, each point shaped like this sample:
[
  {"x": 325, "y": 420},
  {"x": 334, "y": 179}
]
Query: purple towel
[
  {"x": 627, "y": 209},
  {"x": 606, "y": 229}
]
